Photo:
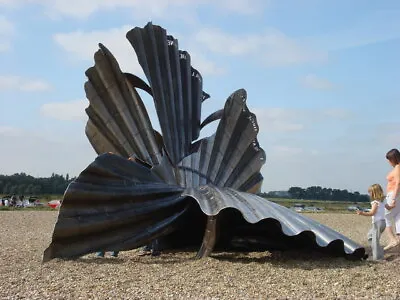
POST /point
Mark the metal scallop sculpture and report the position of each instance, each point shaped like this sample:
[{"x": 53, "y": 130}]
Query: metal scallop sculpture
[{"x": 171, "y": 185}]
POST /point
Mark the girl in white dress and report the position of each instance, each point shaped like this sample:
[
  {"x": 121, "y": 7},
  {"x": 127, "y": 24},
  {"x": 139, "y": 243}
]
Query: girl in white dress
[{"x": 377, "y": 213}]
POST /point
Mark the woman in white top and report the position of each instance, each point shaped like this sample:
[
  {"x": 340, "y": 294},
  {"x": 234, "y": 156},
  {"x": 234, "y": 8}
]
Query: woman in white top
[{"x": 377, "y": 213}]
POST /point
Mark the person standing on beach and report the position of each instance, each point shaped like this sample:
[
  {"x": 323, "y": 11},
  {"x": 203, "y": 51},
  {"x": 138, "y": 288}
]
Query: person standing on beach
[
  {"x": 102, "y": 253},
  {"x": 377, "y": 213},
  {"x": 392, "y": 206},
  {"x": 151, "y": 249}
]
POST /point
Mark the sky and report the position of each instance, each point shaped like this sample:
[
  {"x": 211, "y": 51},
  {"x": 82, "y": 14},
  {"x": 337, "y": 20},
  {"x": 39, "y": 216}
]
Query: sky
[{"x": 322, "y": 77}]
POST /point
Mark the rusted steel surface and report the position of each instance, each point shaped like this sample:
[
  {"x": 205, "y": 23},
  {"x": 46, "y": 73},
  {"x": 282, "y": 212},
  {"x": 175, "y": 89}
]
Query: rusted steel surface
[{"x": 169, "y": 185}]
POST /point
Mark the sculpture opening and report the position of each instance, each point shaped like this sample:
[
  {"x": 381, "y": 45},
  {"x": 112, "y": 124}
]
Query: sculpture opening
[{"x": 169, "y": 185}]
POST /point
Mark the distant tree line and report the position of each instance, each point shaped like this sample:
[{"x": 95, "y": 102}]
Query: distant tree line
[
  {"x": 23, "y": 184},
  {"x": 318, "y": 193}
]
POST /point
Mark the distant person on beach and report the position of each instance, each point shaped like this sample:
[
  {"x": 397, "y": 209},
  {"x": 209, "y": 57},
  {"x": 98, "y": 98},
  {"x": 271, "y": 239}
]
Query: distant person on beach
[
  {"x": 377, "y": 213},
  {"x": 392, "y": 216},
  {"x": 151, "y": 249},
  {"x": 102, "y": 253},
  {"x": 13, "y": 200}
]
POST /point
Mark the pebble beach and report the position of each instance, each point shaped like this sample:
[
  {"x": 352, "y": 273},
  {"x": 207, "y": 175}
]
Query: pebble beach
[{"x": 177, "y": 275}]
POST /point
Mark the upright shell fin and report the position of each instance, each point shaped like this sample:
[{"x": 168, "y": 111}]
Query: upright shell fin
[
  {"x": 231, "y": 157},
  {"x": 176, "y": 85},
  {"x": 118, "y": 121}
]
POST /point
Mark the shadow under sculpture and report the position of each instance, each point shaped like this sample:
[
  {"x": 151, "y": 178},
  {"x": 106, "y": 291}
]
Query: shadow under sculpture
[{"x": 184, "y": 191}]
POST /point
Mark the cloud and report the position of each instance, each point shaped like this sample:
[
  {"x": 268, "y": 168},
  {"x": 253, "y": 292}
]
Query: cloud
[
  {"x": 82, "y": 45},
  {"x": 314, "y": 82},
  {"x": 296, "y": 119},
  {"x": 337, "y": 113},
  {"x": 298, "y": 163},
  {"x": 6, "y": 32},
  {"x": 205, "y": 66},
  {"x": 336, "y": 148},
  {"x": 392, "y": 138},
  {"x": 283, "y": 121},
  {"x": 18, "y": 83},
  {"x": 296, "y": 143},
  {"x": 280, "y": 150},
  {"x": 10, "y": 131},
  {"x": 220, "y": 42},
  {"x": 279, "y": 120},
  {"x": 243, "y": 7},
  {"x": 65, "y": 111},
  {"x": 35, "y": 85},
  {"x": 272, "y": 47},
  {"x": 6, "y": 27},
  {"x": 388, "y": 134},
  {"x": 155, "y": 8},
  {"x": 83, "y": 9},
  {"x": 291, "y": 160},
  {"x": 42, "y": 153},
  {"x": 11, "y": 3},
  {"x": 369, "y": 28}
]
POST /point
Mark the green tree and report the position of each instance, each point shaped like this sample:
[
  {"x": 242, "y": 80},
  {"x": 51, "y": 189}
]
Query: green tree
[
  {"x": 6, "y": 188},
  {"x": 13, "y": 189},
  {"x": 21, "y": 189},
  {"x": 37, "y": 190}
]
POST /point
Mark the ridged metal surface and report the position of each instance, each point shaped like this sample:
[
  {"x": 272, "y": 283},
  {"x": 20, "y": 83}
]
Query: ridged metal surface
[
  {"x": 118, "y": 120},
  {"x": 211, "y": 118},
  {"x": 212, "y": 200},
  {"x": 117, "y": 204},
  {"x": 170, "y": 186},
  {"x": 210, "y": 237},
  {"x": 232, "y": 156},
  {"x": 114, "y": 204},
  {"x": 176, "y": 85}
]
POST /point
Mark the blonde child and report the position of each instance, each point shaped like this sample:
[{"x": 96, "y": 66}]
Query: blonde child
[{"x": 377, "y": 213}]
